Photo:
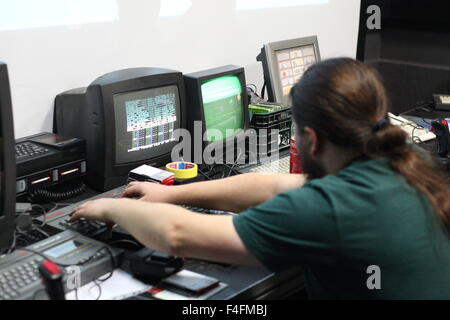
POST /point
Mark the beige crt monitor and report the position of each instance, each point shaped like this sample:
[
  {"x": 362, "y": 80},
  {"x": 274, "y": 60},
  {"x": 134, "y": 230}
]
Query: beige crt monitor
[{"x": 285, "y": 62}]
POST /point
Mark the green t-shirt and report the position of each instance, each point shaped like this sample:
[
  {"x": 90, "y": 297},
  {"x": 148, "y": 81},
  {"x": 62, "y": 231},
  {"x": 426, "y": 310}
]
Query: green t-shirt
[{"x": 339, "y": 226}]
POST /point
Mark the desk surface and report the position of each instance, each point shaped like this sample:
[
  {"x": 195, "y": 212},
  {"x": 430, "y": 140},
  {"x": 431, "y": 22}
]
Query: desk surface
[
  {"x": 250, "y": 283},
  {"x": 243, "y": 282}
]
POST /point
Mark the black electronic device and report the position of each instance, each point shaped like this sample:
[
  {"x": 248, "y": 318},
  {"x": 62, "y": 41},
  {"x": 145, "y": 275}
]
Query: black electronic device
[
  {"x": 218, "y": 113},
  {"x": 150, "y": 264},
  {"x": 52, "y": 280},
  {"x": 127, "y": 117},
  {"x": 19, "y": 273},
  {"x": 7, "y": 163},
  {"x": 284, "y": 63},
  {"x": 46, "y": 159},
  {"x": 207, "y": 211},
  {"x": 58, "y": 220},
  {"x": 191, "y": 285},
  {"x": 29, "y": 150},
  {"x": 441, "y": 102},
  {"x": 441, "y": 129}
]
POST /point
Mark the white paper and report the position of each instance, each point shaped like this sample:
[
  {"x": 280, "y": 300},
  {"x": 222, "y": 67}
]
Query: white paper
[{"x": 120, "y": 286}]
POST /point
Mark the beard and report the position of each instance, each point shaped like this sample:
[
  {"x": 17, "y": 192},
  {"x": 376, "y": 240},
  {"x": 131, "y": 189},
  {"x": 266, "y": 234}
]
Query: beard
[{"x": 311, "y": 167}]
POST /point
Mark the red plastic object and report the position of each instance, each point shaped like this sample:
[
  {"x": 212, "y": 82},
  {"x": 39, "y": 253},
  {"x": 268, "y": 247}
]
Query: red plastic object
[{"x": 295, "y": 164}]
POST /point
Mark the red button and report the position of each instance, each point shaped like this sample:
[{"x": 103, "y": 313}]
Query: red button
[
  {"x": 51, "y": 267},
  {"x": 54, "y": 214}
]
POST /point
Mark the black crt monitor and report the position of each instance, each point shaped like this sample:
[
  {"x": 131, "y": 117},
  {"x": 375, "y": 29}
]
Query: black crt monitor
[
  {"x": 284, "y": 63},
  {"x": 127, "y": 117},
  {"x": 7, "y": 163},
  {"x": 217, "y": 114}
]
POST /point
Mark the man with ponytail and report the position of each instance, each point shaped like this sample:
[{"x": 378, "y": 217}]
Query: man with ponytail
[{"x": 370, "y": 200}]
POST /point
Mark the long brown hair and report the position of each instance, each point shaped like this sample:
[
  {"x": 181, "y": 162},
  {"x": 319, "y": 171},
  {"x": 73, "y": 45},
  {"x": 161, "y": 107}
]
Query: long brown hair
[{"x": 345, "y": 101}]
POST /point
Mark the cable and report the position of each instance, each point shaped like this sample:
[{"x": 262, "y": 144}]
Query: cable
[
  {"x": 13, "y": 244},
  {"x": 212, "y": 171},
  {"x": 207, "y": 172},
  {"x": 234, "y": 164},
  {"x": 98, "y": 281},
  {"x": 426, "y": 121},
  {"x": 125, "y": 241},
  {"x": 114, "y": 263},
  {"x": 25, "y": 234},
  {"x": 45, "y": 195},
  {"x": 420, "y": 106},
  {"x": 43, "y": 232},
  {"x": 44, "y": 213},
  {"x": 98, "y": 285},
  {"x": 26, "y": 237},
  {"x": 263, "y": 90},
  {"x": 254, "y": 86},
  {"x": 204, "y": 174}
]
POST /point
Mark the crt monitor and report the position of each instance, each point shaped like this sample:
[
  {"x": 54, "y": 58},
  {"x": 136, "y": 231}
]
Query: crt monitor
[
  {"x": 7, "y": 163},
  {"x": 127, "y": 117},
  {"x": 284, "y": 63},
  {"x": 217, "y": 110}
]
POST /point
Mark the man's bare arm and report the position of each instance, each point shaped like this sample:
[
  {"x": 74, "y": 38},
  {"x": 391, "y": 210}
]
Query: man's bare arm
[
  {"x": 172, "y": 229},
  {"x": 233, "y": 194}
]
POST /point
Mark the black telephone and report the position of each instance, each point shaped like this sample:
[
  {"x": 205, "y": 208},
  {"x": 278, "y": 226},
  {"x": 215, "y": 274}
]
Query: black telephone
[{"x": 46, "y": 161}]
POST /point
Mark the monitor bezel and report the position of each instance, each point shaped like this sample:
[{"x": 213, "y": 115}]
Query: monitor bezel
[
  {"x": 270, "y": 50},
  {"x": 101, "y": 94},
  {"x": 7, "y": 162},
  {"x": 193, "y": 83}
]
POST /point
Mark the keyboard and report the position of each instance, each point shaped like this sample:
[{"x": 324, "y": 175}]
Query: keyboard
[
  {"x": 86, "y": 227},
  {"x": 19, "y": 279},
  {"x": 207, "y": 211},
  {"x": 415, "y": 132},
  {"x": 19, "y": 271},
  {"x": 116, "y": 193},
  {"x": 29, "y": 150},
  {"x": 58, "y": 220}
]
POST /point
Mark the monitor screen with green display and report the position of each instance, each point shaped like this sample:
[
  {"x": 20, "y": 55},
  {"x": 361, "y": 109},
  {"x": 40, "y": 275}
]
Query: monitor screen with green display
[{"x": 223, "y": 107}]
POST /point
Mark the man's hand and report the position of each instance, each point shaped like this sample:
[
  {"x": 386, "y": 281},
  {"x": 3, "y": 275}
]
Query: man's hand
[
  {"x": 99, "y": 210},
  {"x": 150, "y": 192}
]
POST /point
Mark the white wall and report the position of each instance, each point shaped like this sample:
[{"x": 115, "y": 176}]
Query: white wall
[{"x": 44, "y": 61}]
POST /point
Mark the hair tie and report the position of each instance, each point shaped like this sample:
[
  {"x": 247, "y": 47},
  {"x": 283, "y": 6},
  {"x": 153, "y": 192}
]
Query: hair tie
[{"x": 380, "y": 125}]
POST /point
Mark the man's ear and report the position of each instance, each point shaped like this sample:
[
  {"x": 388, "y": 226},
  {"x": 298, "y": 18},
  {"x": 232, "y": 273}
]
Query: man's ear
[{"x": 313, "y": 139}]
